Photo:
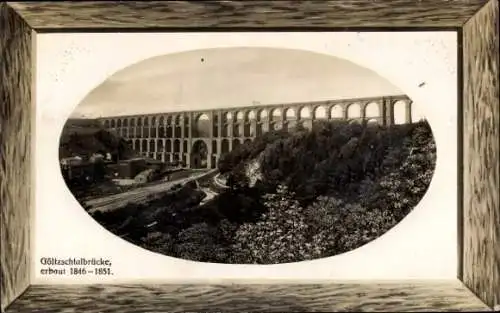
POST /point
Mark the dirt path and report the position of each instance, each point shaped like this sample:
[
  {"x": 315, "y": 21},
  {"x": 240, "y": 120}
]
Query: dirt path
[{"x": 210, "y": 195}]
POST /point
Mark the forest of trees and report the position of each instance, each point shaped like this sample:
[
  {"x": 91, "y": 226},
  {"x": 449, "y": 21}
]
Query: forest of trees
[
  {"x": 86, "y": 137},
  {"x": 321, "y": 192}
]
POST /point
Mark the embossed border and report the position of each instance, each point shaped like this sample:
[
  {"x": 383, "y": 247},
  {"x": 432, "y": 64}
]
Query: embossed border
[{"x": 477, "y": 286}]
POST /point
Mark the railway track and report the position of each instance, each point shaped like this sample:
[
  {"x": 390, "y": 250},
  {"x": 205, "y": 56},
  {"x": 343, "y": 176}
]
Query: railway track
[{"x": 138, "y": 195}]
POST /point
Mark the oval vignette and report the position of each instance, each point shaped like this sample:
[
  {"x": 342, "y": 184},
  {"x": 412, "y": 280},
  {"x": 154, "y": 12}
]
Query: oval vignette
[{"x": 247, "y": 155}]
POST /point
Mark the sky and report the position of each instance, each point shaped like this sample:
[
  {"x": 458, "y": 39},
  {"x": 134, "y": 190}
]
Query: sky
[{"x": 230, "y": 77}]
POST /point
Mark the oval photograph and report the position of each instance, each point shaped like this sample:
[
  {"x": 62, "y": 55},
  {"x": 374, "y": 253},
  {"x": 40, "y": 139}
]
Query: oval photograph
[{"x": 247, "y": 155}]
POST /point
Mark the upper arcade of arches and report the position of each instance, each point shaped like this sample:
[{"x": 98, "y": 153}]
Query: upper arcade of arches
[{"x": 374, "y": 108}]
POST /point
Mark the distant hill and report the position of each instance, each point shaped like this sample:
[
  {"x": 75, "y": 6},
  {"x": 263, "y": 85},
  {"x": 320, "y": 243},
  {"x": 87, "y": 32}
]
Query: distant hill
[{"x": 85, "y": 137}]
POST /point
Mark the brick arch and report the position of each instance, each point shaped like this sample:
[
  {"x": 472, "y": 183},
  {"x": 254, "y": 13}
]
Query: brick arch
[
  {"x": 399, "y": 111},
  {"x": 240, "y": 115},
  {"x": 236, "y": 143},
  {"x": 227, "y": 117},
  {"x": 250, "y": 115},
  {"x": 177, "y": 146},
  {"x": 177, "y": 120},
  {"x": 200, "y": 153},
  {"x": 202, "y": 116},
  {"x": 161, "y": 146},
  {"x": 236, "y": 130},
  {"x": 169, "y": 131},
  {"x": 248, "y": 129},
  {"x": 205, "y": 141},
  {"x": 372, "y": 109},
  {"x": 275, "y": 114},
  {"x": 224, "y": 146},
  {"x": 321, "y": 112},
  {"x": 106, "y": 124},
  {"x": 177, "y": 127},
  {"x": 337, "y": 111},
  {"x": 262, "y": 114},
  {"x": 304, "y": 112},
  {"x": 225, "y": 130},
  {"x": 290, "y": 114},
  {"x": 215, "y": 125},
  {"x": 354, "y": 110},
  {"x": 201, "y": 126}
]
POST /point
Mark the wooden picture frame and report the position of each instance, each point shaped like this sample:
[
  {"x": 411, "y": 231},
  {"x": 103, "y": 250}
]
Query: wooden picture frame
[{"x": 477, "y": 286}]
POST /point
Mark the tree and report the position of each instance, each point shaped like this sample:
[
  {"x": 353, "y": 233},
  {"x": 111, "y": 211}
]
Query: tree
[
  {"x": 159, "y": 242},
  {"x": 200, "y": 242},
  {"x": 238, "y": 179},
  {"x": 339, "y": 227},
  {"x": 279, "y": 237}
]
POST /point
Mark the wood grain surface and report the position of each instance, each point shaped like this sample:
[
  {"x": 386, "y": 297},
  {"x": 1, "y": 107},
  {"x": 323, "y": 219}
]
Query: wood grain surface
[
  {"x": 481, "y": 229},
  {"x": 15, "y": 157},
  {"x": 45, "y": 15},
  {"x": 440, "y": 296}
]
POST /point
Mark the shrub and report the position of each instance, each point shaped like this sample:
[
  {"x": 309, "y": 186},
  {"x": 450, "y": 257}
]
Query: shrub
[
  {"x": 158, "y": 242},
  {"x": 279, "y": 237},
  {"x": 402, "y": 188},
  {"x": 338, "y": 227},
  {"x": 200, "y": 243}
]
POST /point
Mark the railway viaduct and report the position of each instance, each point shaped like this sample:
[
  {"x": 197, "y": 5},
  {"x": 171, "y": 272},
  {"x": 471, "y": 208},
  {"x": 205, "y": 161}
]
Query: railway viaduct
[{"x": 199, "y": 138}]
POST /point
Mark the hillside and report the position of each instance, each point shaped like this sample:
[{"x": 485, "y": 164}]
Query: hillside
[
  {"x": 86, "y": 136},
  {"x": 300, "y": 195},
  {"x": 332, "y": 158}
]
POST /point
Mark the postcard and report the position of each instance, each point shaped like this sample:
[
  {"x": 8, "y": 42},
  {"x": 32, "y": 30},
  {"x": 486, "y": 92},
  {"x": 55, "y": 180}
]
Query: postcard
[{"x": 245, "y": 157}]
